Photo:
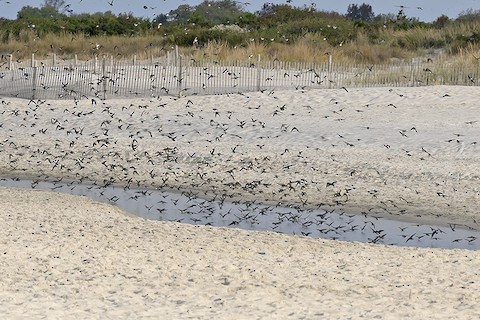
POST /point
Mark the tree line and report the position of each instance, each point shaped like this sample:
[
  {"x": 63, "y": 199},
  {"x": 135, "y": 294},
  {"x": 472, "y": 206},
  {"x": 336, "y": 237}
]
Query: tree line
[{"x": 223, "y": 20}]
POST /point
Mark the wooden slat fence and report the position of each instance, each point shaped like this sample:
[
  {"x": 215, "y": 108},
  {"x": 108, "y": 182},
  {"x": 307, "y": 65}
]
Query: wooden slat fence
[{"x": 107, "y": 78}]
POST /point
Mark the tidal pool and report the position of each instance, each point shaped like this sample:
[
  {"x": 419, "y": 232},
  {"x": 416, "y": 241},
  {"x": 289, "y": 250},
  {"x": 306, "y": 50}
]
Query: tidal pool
[{"x": 187, "y": 207}]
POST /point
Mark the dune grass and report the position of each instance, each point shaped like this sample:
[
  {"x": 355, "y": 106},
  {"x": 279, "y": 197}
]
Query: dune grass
[{"x": 372, "y": 45}]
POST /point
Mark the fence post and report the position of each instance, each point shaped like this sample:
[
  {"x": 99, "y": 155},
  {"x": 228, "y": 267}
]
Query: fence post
[
  {"x": 412, "y": 73},
  {"x": 75, "y": 61},
  {"x": 476, "y": 75},
  {"x": 179, "y": 77},
  {"x": 34, "y": 82},
  {"x": 54, "y": 59},
  {"x": 259, "y": 71},
  {"x": 10, "y": 61},
  {"x": 104, "y": 78},
  {"x": 176, "y": 55},
  {"x": 33, "y": 60},
  {"x": 329, "y": 70}
]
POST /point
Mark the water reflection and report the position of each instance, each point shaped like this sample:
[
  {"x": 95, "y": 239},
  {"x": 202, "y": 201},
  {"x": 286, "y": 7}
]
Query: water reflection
[{"x": 188, "y": 208}]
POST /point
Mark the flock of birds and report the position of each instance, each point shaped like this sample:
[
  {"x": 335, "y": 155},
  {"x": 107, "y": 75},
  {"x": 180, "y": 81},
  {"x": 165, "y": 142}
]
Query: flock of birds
[
  {"x": 216, "y": 161},
  {"x": 226, "y": 155}
]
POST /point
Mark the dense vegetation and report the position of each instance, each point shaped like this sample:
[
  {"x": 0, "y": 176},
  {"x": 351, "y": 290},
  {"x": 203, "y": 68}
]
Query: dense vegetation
[{"x": 222, "y": 28}]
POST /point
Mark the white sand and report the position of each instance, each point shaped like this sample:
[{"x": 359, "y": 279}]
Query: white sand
[{"x": 66, "y": 256}]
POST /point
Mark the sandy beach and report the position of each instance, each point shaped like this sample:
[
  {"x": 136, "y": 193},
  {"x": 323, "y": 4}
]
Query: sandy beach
[{"x": 403, "y": 153}]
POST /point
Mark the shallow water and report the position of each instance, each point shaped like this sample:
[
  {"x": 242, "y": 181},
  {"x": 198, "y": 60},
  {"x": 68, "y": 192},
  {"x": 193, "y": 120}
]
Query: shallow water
[{"x": 188, "y": 208}]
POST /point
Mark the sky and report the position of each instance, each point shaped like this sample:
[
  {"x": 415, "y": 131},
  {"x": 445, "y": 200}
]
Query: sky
[{"x": 425, "y": 10}]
